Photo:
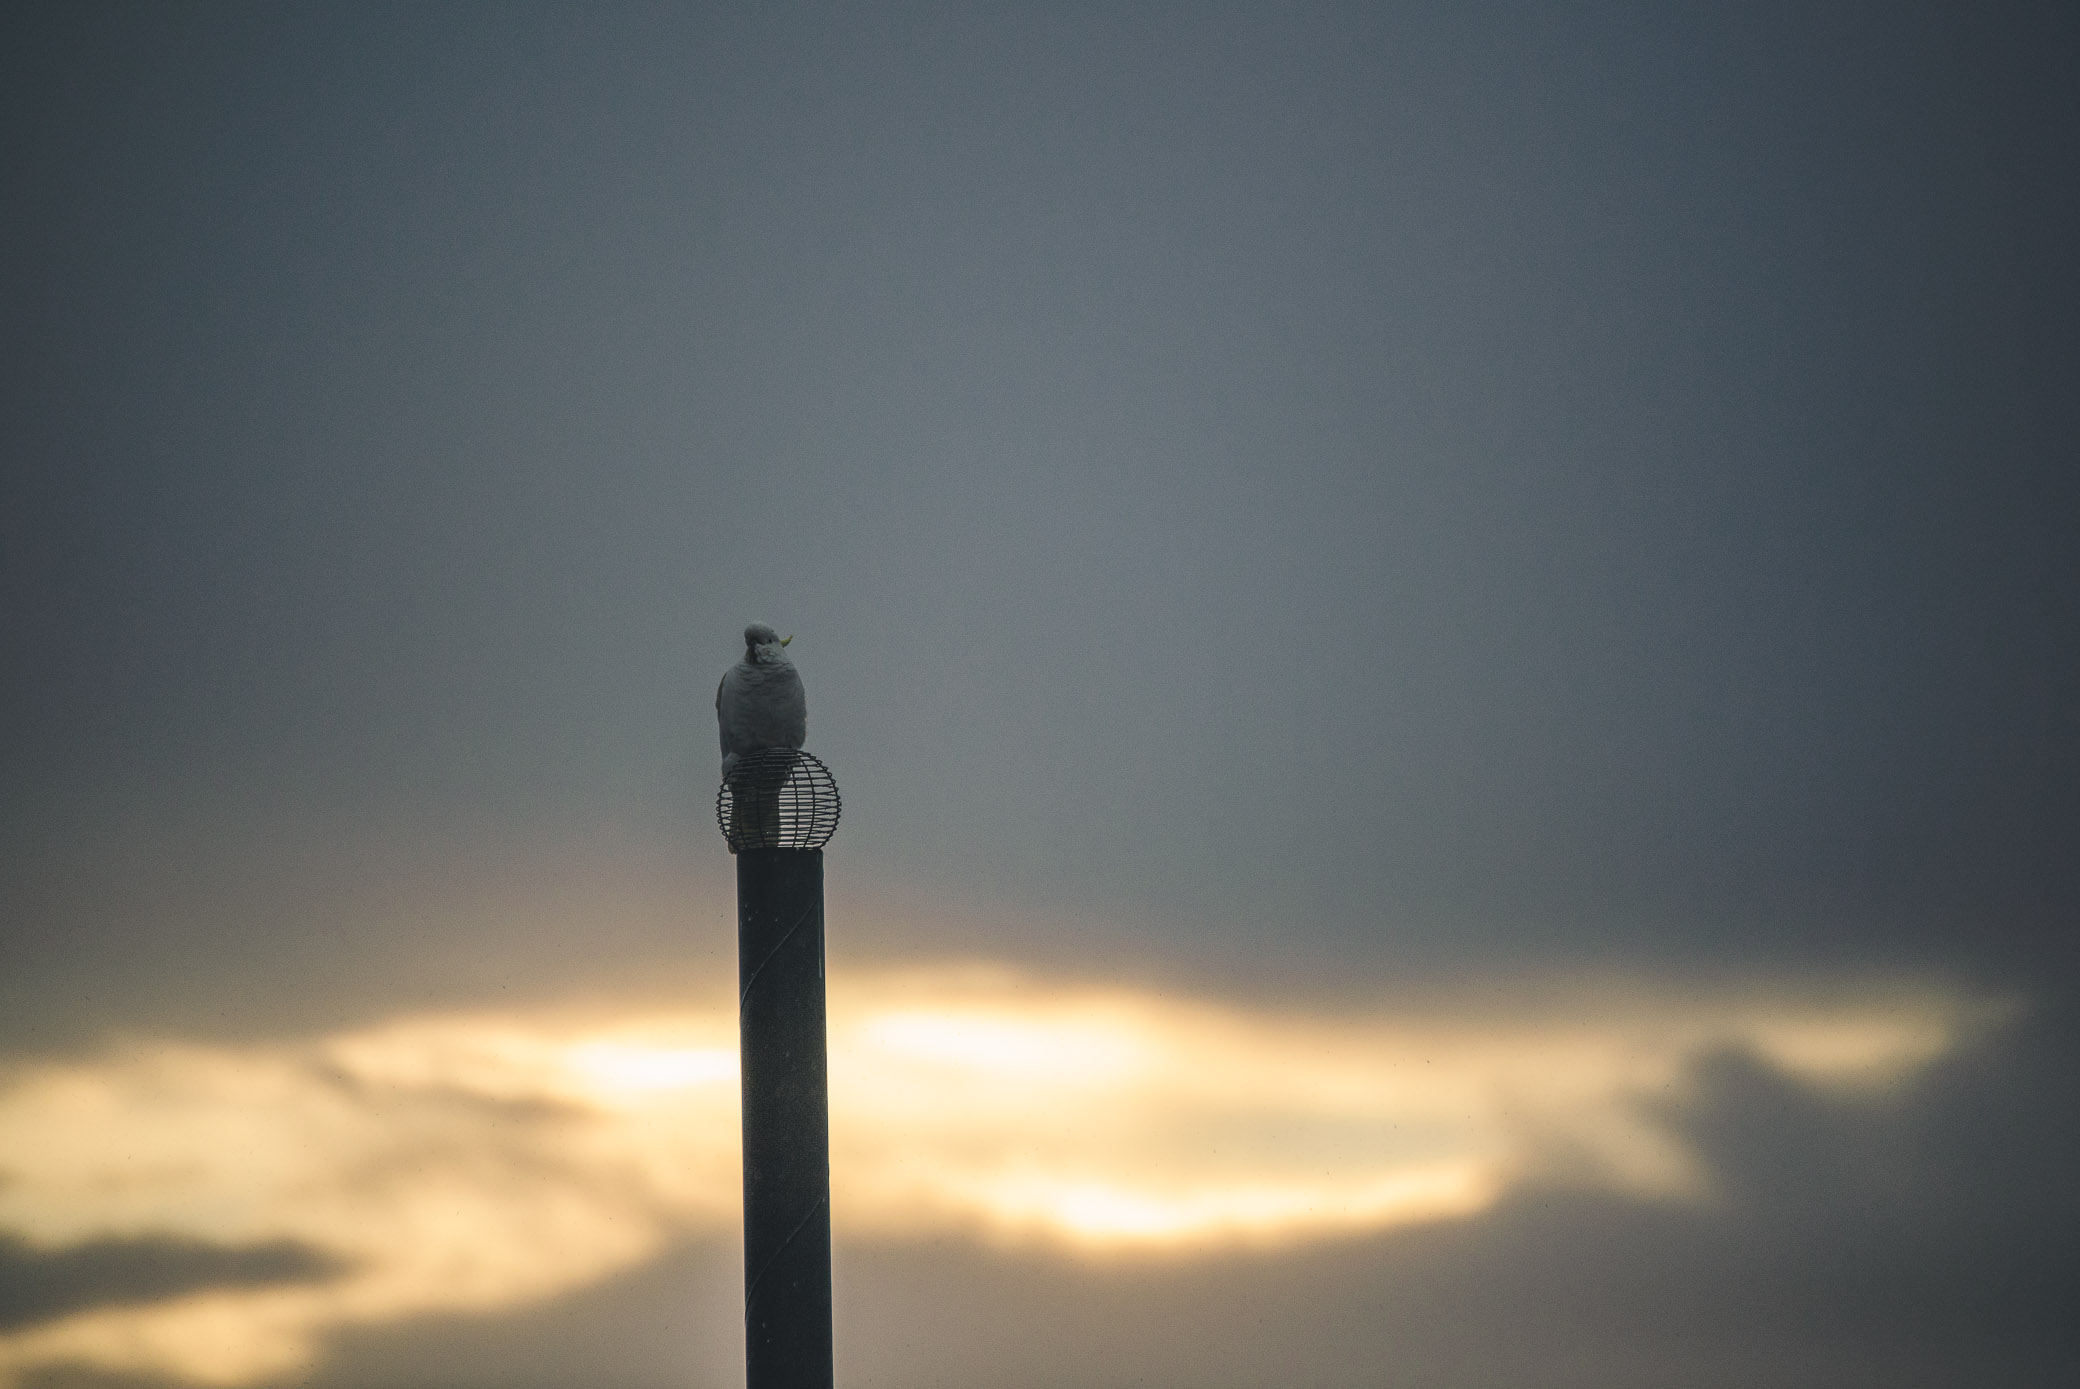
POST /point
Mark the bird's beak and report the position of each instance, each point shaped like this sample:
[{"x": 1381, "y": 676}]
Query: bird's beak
[{"x": 786, "y": 639}]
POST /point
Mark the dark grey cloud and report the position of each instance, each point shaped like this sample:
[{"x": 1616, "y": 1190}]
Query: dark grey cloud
[
  {"x": 1460, "y": 481},
  {"x": 1926, "y": 1243},
  {"x": 43, "y": 1285}
]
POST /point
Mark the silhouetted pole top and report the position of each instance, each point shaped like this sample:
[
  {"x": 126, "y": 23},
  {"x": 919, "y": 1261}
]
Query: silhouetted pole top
[
  {"x": 777, "y": 806},
  {"x": 773, "y": 794}
]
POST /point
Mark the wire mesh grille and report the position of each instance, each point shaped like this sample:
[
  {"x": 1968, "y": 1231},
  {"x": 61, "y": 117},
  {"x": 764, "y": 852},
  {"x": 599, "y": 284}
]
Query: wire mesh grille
[{"x": 777, "y": 798}]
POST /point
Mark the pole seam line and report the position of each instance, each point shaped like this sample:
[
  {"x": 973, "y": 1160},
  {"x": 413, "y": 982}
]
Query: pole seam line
[
  {"x": 753, "y": 979},
  {"x": 766, "y": 1267}
]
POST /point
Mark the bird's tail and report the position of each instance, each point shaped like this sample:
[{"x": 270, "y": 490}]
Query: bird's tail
[{"x": 755, "y": 802}]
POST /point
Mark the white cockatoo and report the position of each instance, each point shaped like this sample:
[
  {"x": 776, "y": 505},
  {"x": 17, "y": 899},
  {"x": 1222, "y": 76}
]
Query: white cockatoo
[{"x": 760, "y": 703}]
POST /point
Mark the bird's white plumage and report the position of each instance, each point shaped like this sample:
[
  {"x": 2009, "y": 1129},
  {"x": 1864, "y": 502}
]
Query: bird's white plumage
[{"x": 760, "y": 703}]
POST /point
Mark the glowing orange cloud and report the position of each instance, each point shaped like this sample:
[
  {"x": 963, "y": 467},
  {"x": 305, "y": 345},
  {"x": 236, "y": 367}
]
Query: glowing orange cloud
[{"x": 477, "y": 1162}]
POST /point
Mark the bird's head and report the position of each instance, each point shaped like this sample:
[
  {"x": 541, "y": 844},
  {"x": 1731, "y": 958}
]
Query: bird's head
[{"x": 762, "y": 645}]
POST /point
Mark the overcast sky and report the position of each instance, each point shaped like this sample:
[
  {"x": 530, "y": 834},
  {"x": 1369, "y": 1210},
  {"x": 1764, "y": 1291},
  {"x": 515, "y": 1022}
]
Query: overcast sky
[{"x": 1283, "y": 505}]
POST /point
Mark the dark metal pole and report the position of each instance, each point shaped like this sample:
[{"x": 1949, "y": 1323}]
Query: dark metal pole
[{"x": 787, "y": 1165}]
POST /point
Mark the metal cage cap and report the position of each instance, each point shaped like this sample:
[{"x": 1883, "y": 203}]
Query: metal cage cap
[{"x": 777, "y": 798}]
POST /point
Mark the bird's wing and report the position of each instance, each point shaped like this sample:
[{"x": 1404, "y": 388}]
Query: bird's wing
[
  {"x": 721, "y": 728},
  {"x": 793, "y": 711}
]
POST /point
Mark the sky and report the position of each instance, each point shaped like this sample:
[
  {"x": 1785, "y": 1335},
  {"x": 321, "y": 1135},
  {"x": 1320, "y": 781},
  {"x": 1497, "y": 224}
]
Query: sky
[{"x": 1447, "y": 632}]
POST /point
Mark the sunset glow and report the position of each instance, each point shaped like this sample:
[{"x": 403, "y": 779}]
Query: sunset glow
[{"x": 472, "y": 1162}]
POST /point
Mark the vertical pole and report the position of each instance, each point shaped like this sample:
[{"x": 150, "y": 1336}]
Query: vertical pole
[{"x": 787, "y": 1164}]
